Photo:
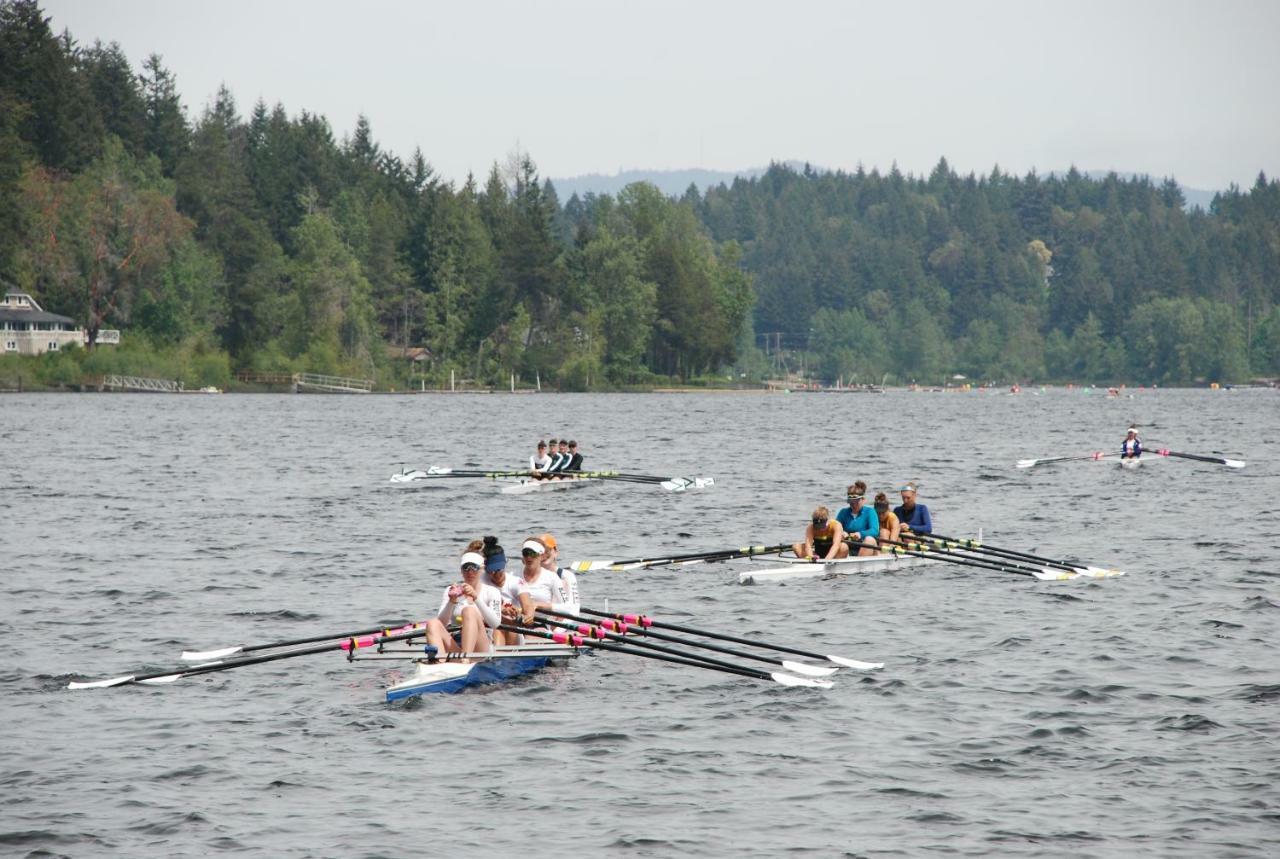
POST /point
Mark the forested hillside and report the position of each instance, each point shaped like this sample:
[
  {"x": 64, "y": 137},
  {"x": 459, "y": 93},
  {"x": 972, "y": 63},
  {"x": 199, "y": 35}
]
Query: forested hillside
[{"x": 261, "y": 240}]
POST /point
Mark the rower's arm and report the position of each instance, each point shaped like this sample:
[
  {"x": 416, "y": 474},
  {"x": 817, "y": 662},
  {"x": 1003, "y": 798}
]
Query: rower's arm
[
  {"x": 837, "y": 537},
  {"x": 925, "y": 525}
]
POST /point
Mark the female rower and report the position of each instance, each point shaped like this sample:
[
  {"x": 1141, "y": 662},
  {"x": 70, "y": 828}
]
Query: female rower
[
  {"x": 914, "y": 517},
  {"x": 470, "y": 603},
  {"x": 823, "y": 538},
  {"x": 543, "y": 585},
  {"x": 568, "y": 579},
  {"x": 1131, "y": 447},
  {"x": 517, "y": 607},
  {"x": 859, "y": 521},
  {"x": 890, "y": 527}
]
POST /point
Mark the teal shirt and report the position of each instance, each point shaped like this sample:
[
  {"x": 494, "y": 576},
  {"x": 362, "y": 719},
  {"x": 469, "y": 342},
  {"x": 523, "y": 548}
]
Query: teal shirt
[{"x": 866, "y": 523}]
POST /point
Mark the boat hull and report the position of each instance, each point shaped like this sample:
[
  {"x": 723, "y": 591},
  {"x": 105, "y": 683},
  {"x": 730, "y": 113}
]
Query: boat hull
[
  {"x": 445, "y": 677},
  {"x": 1131, "y": 464},
  {"x": 797, "y": 568},
  {"x": 524, "y": 487}
]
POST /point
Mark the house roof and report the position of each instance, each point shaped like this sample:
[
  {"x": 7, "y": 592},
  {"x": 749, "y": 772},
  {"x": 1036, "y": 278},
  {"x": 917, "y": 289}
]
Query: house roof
[{"x": 10, "y": 315}]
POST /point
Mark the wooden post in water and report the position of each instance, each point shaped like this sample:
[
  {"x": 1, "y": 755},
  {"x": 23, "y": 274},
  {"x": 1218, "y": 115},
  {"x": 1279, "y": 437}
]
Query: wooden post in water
[
  {"x": 513, "y": 382},
  {"x": 452, "y": 383}
]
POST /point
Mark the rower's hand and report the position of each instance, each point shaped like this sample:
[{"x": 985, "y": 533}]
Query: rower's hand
[
  {"x": 528, "y": 619},
  {"x": 468, "y": 591}
]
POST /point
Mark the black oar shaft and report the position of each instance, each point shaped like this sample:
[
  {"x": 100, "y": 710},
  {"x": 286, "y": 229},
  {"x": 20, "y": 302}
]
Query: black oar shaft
[
  {"x": 662, "y": 636},
  {"x": 648, "y": 645},
  {"x": 645, "y": 620},
  {"x": 250, "y": 648},
  {"x": 960, "y": 560},
  {"x": 618, "y": 648},
  {"x": 976, "y": 546}
]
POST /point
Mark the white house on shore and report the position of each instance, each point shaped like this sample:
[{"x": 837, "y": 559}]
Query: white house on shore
[{"x": 27, "y": 329}]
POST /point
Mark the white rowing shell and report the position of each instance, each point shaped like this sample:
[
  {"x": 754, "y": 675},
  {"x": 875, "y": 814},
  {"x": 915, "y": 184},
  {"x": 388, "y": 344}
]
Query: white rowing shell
[
  {"x": 802, "y": 568},
  {"x": 526, "y": 486}
]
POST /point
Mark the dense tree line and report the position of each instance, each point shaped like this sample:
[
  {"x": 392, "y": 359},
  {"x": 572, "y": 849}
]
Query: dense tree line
[
  {"x": 264, "y": 242},
  {"x": 1001, "y": 277}
]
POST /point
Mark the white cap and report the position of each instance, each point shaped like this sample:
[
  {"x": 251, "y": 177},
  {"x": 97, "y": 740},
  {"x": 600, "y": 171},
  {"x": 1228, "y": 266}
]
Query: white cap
[
  {"x": 535, "y": 545},
  {"x": 473, "y": 558}
]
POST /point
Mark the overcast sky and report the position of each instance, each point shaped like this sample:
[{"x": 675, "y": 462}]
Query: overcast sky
[{"x": 1170, "y": 88}]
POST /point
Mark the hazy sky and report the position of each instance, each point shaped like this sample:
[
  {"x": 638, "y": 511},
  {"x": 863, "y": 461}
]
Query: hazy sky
[{"x": 1188, "y": 89}]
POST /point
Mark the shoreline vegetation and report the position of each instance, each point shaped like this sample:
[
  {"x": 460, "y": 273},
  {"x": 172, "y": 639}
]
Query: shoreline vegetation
[{"x": 226, "y": 244}]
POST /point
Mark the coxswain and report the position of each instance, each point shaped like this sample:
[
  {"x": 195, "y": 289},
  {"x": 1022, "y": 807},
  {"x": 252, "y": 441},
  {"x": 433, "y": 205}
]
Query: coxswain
[
  {"x": 1131, "y": 448},
  {"x": 913, "y": 517},
  {"x": 860, "y": 523},
  {"x": 575, "y": 458},
  {"x": 890, "y": 527},
  {"x": 568, "y": 579},
  {"x": 517, "y": 607},
  {"x": 823, "y": 538},
  {"x": 475, "y": 607}
]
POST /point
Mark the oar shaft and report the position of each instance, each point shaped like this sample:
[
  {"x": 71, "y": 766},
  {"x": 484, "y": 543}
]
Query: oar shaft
[
  {"x": 250, "y": 648},
  {"x": 645, "y": 621},
  {"x": 581, "y": 641},
  {"x": 961, "y": 560},
  {"x": 588, "y": 630},
  {"x": 975, "y": 546},
  {"x": 624, "y": 629}
]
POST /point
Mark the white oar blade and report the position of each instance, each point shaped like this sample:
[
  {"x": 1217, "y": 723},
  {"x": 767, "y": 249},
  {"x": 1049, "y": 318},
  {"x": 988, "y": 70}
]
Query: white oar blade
[
  {"x": 99, "y": 684},
  {"x": 704, "y": 482},
  {"x": 792, "y": 680},
  {"x": 202, "y": 655},
  {"x": 1027, "y": 463},
  {"x": 855, "y": 664},
  {"x": 1100, "y": 572},
  {"x": 439, "y": 469},
  {"x": 1233, "y": 463},
  {"x": 1047, "y": 575},
  {"x": 679, "y": 484},
  {"x": 168, "y": 678},
  {"x": 808, "y": 670}
]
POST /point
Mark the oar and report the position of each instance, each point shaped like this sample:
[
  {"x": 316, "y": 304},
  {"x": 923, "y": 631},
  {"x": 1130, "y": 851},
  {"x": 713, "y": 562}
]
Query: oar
[
  {"x": 977, "y": 546},
  {"x": 349, "y": 645},
  {"x": 1032, "y": 463},
  {"x": 1217, "y": 460},
  {"x": 646, "y": 621},
  {"x": 224, "y": 652},
  {"x": 713, "y": 555},
  {"x": 617, "y": 629},
  {"x": 1043, "y": 574},
  {"x": 563, "y": 637}
]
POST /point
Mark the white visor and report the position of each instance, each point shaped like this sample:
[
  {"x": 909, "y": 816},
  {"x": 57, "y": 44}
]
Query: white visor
[
  {"x": 473, "y": 558},
  {"x": 535, "y": 545}
]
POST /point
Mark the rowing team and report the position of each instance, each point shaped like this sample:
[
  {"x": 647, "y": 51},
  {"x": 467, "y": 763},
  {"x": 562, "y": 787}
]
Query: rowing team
[
  {"x": 551, "y": 461},
  {"x": 488, "y": 596},
  {"x": 873, "y": 528}
]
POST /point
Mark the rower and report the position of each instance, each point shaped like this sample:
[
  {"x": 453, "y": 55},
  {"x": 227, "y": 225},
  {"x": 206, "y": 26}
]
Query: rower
[
  {"x": 575, "y": 458},
  {"x": 543, "y": 585},
  {"x": 860, "y": 523},
  {"x": 1131, "y": 448},
  {"x": 471, "y": 604},
  {"x": 890, "y": 527},
  {"x": 554, "y": 455},
  {"x": 540, "y": 462},
  {"x": 517, "y": 607},
  {"x": 565, "y": 457},
  {"x": 568, "y": 579},
  {"x": 914, "y": 517},
  {"x": 823, "y": 538}
]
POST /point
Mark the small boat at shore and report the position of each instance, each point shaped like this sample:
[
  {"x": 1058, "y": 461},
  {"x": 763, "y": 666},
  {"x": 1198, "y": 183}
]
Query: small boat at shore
[{"x": 791, "y": 568}]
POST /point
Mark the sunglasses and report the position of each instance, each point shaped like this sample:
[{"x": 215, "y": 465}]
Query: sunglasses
[
  {"x": 530, "y": 553},
  {"x": 470, "y": 568},
  {"x": 819, "y": 523}
]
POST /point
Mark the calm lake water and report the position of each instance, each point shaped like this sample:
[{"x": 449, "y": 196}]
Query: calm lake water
[{"x": 1121, "y": 717}]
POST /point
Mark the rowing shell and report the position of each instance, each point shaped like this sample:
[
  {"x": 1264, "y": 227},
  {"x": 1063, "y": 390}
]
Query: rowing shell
[
  {"x": 1130, "y": 464},
  {"x": 503, "y": 664},
  {"x": 526, "y": 486},
  {"x": 803, "y": 568}
]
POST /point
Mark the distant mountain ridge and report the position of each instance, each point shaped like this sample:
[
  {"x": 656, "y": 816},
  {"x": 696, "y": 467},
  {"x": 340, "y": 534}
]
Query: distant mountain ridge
[{"x": 674, "y": 183}]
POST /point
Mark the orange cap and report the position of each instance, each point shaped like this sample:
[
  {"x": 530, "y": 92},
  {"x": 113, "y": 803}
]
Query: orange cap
[{"x": 548, "y": 541}]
